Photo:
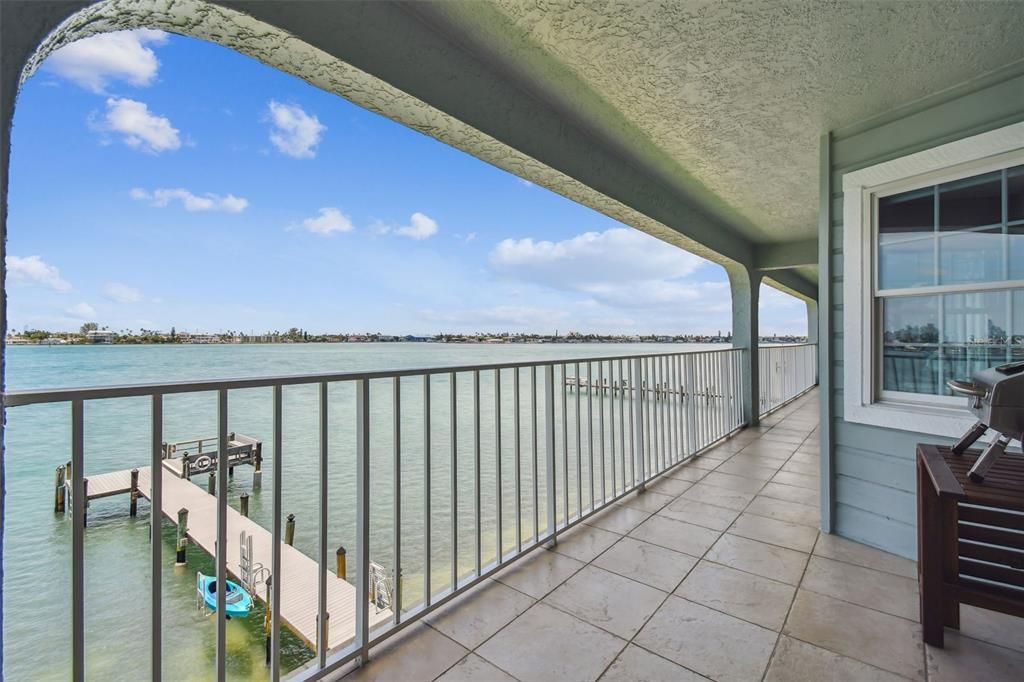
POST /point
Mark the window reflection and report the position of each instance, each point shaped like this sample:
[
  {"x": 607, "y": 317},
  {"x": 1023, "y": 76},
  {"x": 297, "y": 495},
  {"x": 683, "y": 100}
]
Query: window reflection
[
  {"x": 971, "y": 257},
  {"x": 910, "y": 332},
  {"x": 971, "y": 202},
  {"x": 1015, "y": 193},
  {"x": 968, "y": 231},
  {"x": 907, "y": 213}
]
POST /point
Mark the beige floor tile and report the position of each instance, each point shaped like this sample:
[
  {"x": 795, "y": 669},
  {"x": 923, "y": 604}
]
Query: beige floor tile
[
  {"x": 720, "y": 497},
  {"x": 750, "y": 597},
  {"x": 835, "y": 547},
  {"x": 788, "y": 437},
  {"x": 700, "y": 514},
  {"x": 676, "y": 535},
  {"x": 796, "y": 660},
  {"x": 475, "y": 669},
  {"x": 797, "y": 480},
  {"x": 618, "y": 519},
  {"x": 584, "y": 542},
  {"x": 730, "y": 446},
  {"x": 539, "y": 574},
  {"x": 666, "y": 485},
  {"x": 747, "y": 470},
  {"x": 650, "y": 564},
  {"x": 417, "y": 653},
  {"x": 876, "y": 638},
  {"x": 701, "y": 462},
  {"x": 992, "y": 627},
  {"x": 775, "y": 532},
  {"x": 775, "y": 450},
  {"x": 785, "y": 511},
  {"x": 635, "y": 664},
  {"x": 804, "y": 456},
  {"x": 790, "y": 493},
  {"x": 611, "y": 602},
  {"x": 717, "y": 454},
  {"x": 733, "y": 482},
  {"x": 647, "y": 501},
  {"x": 545, "y": 644},
  {"x": 706, "y": 641},
  {"x": 963, "y": 658},
  {"x": 472, "y": 618},
  {"x": 771, "y": 461},
  {"x": 803, "y": 468},
  {"x": 687, "y": 473},
  {"x": 885, "y": 592},
  {"x": 768, "y": 561}
]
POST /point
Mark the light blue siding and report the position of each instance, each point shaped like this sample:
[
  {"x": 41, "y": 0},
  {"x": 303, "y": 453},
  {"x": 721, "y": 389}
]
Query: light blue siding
[{"x": 873, "y": 468}]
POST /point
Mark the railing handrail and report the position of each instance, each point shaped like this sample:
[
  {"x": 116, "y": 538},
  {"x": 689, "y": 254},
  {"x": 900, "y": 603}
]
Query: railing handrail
[{"x": 20, "y": 397}]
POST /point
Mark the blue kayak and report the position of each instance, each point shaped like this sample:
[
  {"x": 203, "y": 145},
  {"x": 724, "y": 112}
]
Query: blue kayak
[{"x": 237, "y": 601}]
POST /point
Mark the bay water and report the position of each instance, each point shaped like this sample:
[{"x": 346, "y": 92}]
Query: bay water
[{"x": 37, "y": 542}]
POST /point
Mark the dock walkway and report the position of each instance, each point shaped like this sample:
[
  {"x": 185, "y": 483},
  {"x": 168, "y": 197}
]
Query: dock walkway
[{"x": 299, "y": 579}]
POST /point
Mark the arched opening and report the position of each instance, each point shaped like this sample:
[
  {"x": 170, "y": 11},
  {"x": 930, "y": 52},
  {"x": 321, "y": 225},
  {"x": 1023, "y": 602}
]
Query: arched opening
[{"x": 661, "y": 302}]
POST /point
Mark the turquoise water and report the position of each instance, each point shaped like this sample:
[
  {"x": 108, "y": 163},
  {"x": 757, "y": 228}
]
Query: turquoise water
[{"x": 37, "y": 541}]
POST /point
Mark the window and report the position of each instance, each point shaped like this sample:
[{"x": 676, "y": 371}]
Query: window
[
  {"x": 950, "y": 281},
  {"x": 933, "y": 286}
]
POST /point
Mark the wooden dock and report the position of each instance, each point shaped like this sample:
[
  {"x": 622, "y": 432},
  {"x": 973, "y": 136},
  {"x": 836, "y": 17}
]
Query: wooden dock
[{"x": 299, "y": 579}]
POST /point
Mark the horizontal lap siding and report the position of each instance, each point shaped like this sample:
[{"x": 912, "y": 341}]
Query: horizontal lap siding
[{"x": 874, "y": 467}]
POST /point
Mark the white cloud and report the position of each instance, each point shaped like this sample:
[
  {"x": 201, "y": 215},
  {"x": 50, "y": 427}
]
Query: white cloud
[
  {"x": 228, "y": 203},
  {"x": 328, "y": 221},
  {"x": 295, "y": 132},
  {"x": 82, "y": 311},
  {"x": 420, "y": 226},
  {"x": 122, "y": 293},
  {"x": 138, "y": 127},
  {"x": 615, "y": 256},
  {"x": 34, "y": 271},
  {"x": 120, "y": 56}
]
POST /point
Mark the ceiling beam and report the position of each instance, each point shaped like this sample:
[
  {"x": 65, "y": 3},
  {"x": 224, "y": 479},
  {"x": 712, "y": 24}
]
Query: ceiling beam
[
  {"x": 793, "y": 284},
  {"x": 786, "y": 254}
]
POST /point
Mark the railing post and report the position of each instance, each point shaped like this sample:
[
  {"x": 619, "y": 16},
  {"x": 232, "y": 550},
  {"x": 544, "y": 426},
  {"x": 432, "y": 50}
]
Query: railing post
[
  {"x": 156, "y": 472},
  {"x": 549, "y": 446},
  {"x": 78, "y": 512},
  {"x": 363, "y": 519},
  {"x": 638, "y": 409}
]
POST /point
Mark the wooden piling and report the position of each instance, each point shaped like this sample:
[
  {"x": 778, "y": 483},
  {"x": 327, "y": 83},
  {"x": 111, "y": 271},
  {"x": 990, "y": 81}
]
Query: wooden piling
[
  {"x": 211, "y": 484},
  {"x": 257, "y": 474},
  {"x": 341, "y": 568},
  {"x": 289, "y": 530},
  {"x": 244, "y": 501},
  {"x": 133, "y": 494},
  {"x": 84, "y": 502},
  {"x": 179, "y": 559},
  {"x": 58, "y": 490}
]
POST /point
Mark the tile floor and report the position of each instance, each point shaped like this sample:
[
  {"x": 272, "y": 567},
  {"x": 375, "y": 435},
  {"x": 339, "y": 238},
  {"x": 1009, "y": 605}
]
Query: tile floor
[{"x": 717, "y": 572}]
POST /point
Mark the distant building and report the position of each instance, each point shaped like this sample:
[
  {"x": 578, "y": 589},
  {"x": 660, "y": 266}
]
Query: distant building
[{"x": 99, "y": 336}]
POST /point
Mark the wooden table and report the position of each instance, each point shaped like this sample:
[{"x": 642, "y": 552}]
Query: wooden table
[{"x": 970, "y": 537}]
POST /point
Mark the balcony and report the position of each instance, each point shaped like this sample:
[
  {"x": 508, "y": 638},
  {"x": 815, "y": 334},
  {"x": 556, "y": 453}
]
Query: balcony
[
  {"x": 439, "y": 481},
  {"x": 717, "y": 569}
]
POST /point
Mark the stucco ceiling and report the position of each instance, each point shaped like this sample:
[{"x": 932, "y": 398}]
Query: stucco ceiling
[{"x": 728, "y": 99}]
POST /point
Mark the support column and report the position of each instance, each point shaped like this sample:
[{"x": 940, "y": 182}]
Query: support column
[
  {"x": 745, "y": 284},
  {"x": 812, "y": 330}
]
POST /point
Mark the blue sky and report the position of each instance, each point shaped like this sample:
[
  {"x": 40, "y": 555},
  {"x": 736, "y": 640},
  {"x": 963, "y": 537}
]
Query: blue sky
[{"x": 162, "y": 181}]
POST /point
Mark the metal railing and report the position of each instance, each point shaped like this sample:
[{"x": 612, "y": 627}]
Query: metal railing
[
  {"x": 557, "y": 441},
  {"x": 785, "y": 372}
]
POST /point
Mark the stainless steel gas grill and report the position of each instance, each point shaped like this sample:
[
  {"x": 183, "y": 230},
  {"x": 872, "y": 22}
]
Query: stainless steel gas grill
[{"x": 997, "y": 399}]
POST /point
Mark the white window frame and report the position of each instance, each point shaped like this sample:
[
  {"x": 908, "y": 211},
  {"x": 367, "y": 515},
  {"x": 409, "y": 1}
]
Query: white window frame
[{"x": 863, "y": 402}]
